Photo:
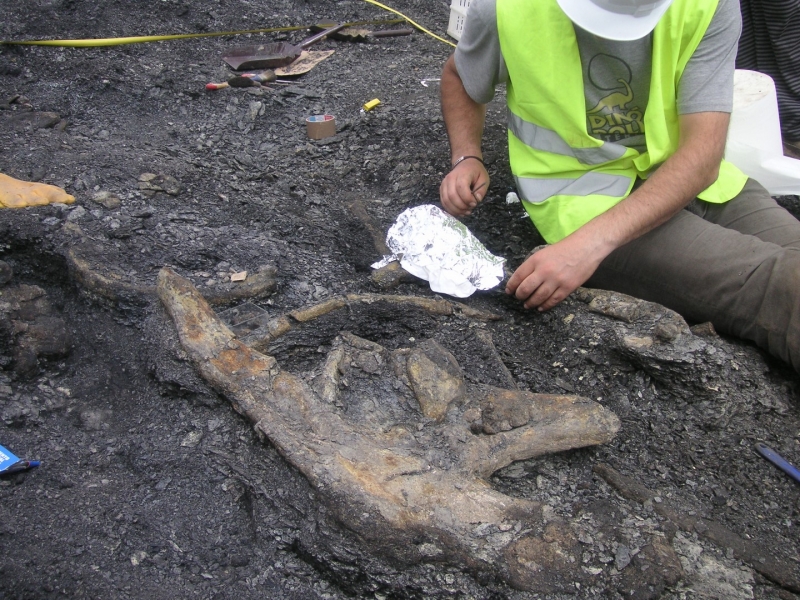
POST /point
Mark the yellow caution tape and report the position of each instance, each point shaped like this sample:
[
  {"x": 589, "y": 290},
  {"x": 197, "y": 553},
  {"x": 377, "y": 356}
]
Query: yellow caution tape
[
  {"x": 417, "y": 25},
  {"x": 100, "y": 42}
]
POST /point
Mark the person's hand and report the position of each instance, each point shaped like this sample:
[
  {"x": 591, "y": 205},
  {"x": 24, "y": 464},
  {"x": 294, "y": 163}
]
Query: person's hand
[
  {"x": 464, "y": 187},
  {"x": 553, "y": 273}
]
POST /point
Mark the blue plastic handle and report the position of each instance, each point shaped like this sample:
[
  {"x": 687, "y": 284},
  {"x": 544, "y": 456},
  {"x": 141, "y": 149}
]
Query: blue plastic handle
[{"x": 777, "y": 460}]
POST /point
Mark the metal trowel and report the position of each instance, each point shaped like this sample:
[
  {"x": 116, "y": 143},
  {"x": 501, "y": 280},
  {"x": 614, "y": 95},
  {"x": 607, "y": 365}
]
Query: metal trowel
[{"x": 274, "y": 55}]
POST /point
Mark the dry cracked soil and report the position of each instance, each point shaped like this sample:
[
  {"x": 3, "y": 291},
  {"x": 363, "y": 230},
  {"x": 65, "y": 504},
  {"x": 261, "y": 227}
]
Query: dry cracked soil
[{"x": 152, "y": 486}]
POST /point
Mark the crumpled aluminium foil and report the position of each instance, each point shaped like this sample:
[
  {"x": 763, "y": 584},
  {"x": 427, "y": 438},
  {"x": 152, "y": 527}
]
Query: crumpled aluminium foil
[{"x": 437, "y": 247}]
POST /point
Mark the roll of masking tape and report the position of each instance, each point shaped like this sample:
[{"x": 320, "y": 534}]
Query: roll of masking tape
[{"x": 321, "y": 126}]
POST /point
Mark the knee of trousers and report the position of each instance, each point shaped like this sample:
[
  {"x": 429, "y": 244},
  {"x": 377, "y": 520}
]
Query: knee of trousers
[{"x": 776, "y": 324}]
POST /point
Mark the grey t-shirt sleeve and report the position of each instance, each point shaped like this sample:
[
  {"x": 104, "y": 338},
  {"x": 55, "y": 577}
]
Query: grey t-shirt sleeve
[
  {"x": 479, "y": 61},
  {"x": 707, "y": 81}
]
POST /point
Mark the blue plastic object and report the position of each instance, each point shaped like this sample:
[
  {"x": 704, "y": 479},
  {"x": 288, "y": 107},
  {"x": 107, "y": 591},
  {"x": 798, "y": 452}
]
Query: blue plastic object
[
  {"x": 777, "y": 460},
  {"x": 9, "y": 463}
]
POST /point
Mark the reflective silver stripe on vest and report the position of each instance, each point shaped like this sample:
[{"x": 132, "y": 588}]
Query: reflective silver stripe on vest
[
  {"x": 548, "y": 140},
  {"x": 539, "y": 190}
]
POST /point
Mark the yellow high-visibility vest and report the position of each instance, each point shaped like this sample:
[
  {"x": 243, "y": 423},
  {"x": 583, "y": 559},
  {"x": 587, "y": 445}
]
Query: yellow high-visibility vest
[{"x": 564, "y": 176}]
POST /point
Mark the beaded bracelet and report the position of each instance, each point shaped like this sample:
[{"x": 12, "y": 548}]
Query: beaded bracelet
[{"x": 463, "y": 158}]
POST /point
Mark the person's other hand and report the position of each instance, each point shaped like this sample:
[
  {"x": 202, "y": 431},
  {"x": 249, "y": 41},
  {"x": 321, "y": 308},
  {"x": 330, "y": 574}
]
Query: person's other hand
[
  {"x": 464, "y": 187},
  {"x": 553, "y": 273}
]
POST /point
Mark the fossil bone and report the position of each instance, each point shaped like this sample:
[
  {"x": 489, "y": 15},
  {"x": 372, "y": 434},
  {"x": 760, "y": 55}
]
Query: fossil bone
[
  {"x": 106, "y": 281},
  {"x": 261, "y": 338},
  {"x": 400, "y": 447}
]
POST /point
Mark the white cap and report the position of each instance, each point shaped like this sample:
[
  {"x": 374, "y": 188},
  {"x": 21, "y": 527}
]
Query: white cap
[{"x": 616, "y": 19}]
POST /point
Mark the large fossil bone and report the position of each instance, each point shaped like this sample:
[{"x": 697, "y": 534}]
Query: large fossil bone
[
  {"x": 91, "y": 268},
  {"x": 400, "y": 447},
  {"x": 271, "y": 330}
]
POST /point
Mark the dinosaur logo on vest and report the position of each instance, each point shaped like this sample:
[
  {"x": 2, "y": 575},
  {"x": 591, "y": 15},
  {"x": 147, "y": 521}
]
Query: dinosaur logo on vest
[{"x": 616, "y": 115}]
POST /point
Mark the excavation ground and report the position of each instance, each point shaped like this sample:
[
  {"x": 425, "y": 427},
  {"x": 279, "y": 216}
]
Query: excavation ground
[{"x": 152, "y": 486}]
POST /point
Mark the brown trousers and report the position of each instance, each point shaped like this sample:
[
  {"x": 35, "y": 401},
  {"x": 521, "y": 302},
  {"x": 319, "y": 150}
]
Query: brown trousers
[{"x": 735, "y": 264}]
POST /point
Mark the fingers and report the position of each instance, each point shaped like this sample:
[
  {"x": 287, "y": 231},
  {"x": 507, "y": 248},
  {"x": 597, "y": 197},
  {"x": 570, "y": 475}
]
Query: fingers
[
  {"x": 536, "y": 292},
  {"x": 478, "y": 192},
  {"x": 553, "y": 272},
  {"x": 537, "y": 284},
  {"x": 463, "y": 188},
  {"x": 518, "y": 276},
  {"x": 552, "y": 300}
]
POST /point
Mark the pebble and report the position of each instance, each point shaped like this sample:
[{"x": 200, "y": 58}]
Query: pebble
[
  {"x": 107, "y": 199},
  {"x": 76, "y": 214},
  {"x": 622, "y": 557},
  {"x": 192, "y": 439},
  {"x": 6, "y": 272}
]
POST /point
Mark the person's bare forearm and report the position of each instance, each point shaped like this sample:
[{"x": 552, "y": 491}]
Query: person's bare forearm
[
  {"x": 467, "y": 182},
  {"x": 550, "y": 275},
  {"x": 463, "y": 117},
  {"x": 693, "y": 167}
]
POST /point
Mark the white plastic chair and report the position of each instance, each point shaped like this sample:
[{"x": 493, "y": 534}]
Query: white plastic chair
[{"x": 754, "y": 135}]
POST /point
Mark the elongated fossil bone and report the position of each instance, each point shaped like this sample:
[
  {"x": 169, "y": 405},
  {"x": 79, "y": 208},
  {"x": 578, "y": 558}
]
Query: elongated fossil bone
[{"x": 400, "y": 447}]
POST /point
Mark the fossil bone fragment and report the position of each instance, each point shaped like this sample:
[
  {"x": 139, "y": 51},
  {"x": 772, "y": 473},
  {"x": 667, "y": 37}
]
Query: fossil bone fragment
[
  {"x": 276, "y": 327},
  {"x": 401, "y": 447},
  {"x": 92, "y": 270}
]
